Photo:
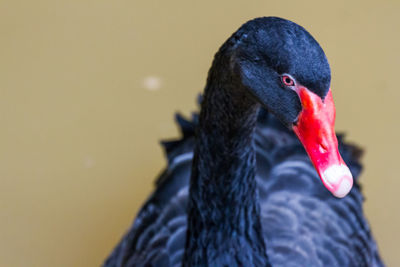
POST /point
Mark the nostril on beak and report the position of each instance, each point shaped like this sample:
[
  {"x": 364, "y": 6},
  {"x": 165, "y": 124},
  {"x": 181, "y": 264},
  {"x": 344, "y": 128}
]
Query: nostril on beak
[{"x": 323, "y": 148}]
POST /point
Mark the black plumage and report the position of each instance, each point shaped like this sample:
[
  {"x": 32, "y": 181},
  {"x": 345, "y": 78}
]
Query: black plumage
[{"x": 239, "y": 189}]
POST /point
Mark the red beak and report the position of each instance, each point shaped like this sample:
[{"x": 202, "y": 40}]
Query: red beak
[{"x": 315, "y": 129}]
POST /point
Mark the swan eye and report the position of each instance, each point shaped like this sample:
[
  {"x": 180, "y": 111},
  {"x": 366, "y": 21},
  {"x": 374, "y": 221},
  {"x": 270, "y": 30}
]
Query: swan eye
[{"x": 287, "y": 80}]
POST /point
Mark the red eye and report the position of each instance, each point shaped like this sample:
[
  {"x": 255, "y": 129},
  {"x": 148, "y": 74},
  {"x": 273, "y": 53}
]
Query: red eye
[{"x": 287, "y": 80}]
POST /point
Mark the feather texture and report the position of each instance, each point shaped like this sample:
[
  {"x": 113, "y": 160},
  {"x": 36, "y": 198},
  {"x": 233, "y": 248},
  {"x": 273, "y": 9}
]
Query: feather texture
[{"x": 303, "y": 224}]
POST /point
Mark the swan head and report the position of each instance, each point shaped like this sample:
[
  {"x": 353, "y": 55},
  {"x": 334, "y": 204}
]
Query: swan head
[{"x": 284, "y": 69}]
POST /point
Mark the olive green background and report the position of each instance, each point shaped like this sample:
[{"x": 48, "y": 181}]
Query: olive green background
[{"x": 88, "y": 88}]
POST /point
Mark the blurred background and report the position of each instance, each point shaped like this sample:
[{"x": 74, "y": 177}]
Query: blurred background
[{"x": 88, "y": 88}]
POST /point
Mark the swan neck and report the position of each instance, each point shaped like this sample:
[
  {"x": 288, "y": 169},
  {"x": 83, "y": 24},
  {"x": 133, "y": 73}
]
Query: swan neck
[{"x": 224, "y": 212}]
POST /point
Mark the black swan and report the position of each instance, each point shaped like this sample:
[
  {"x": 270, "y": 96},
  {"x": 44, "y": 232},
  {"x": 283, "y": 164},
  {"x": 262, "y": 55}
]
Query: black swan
[{"x": 240, "y": 189}]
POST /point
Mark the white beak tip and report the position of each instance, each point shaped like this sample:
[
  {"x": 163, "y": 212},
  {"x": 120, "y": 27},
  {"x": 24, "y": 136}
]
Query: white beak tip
[
  {"x": 344, "y": 187},
  {"x": 338, "y": 179}
]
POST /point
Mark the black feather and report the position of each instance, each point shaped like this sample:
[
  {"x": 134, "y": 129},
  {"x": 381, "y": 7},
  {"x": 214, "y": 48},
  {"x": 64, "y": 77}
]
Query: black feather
[
  {"x": 275, "y": 146},
  {"x": 186, "y": 126}
]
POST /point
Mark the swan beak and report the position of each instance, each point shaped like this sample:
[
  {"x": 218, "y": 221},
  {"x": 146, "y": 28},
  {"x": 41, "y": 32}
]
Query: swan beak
[{"x": 315, "y": 130}]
